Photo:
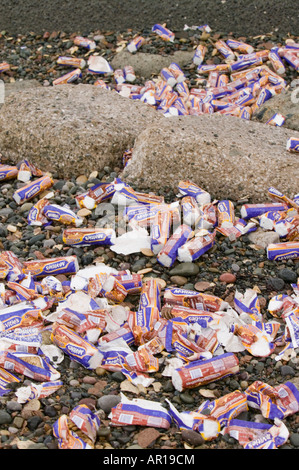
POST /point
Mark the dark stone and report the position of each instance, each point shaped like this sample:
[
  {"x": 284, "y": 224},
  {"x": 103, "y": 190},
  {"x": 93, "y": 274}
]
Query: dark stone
[{"x": 287, "y": 275}]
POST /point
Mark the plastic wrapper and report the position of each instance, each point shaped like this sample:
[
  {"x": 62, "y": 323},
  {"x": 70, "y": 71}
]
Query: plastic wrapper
[
  {"x": 268, "y": 220},
  {"x": 62, "y": 214},
  {"x": 190, "y": 315},
  {"x": 195, "y": 247},
  {"x": 135, "y": 44},
  {"x": 255, "y": 210},
  {"x": 32, "y": 189},
  {"x": 76, "y": 347},
  {"x": 253, "y": 435},
  {"x": 5, "y": 379},
  {"x": 208, "y": 427},
  {"x": 20, "y": 315},
  {"x": 193, "y": 299},
  {"x": 224, "y": 50},
  {"x": 139, "y": 412},
  {"x": 293, "y": 144},
  {"x": 11, "y": 268},
  {"x": 160, "y": 231},
  {"x": 68, "y": 78},
  {"x": 51, "y": 266},
  {"x": 31, "y": 365},
  {"x": 284, "y": 250},
  {"x": 78, "y": 430},
  {"x": 278, "y": 196},
  {"x": 41, "y": 390},
  {"x": 25, "y": 339},
  {"x": 187, "y": 188},
  {"x": 191, "y": 210},
  {"x": 273, "y": 402},
  {"x": 141, "y": 361},
  {"x": 227, "y": 407},
  {"x": 150, "y": 295},
  {"x": 132, "y": 283},
  {"x": 8, "y": 172},
  {"x": 163, "y": 33},
  {"x": 202, "y": 372},
  {"x": 71, "y": 62},
  {"x": 85, "y": 42},
  {"x": 239, "y": 46},
  {"x": 248, "y": 304},
  {"x": 22, "y": 292},
  {"x": 142, "y": 323},
  {"x": 26, "y": 170},
  {"x": 186, "y": 348},
  {"x": 256, "y": 341},
  {"x": 113, "y": 354},
  {"x": 83, "y": 322},
  {"x": 107, "y": 286},
  {"x": 168, "y": 254},
  {"x": 36, "y": 215},
  {"x": 98, "y": 193},
  {"x": 123, "y": 332}
]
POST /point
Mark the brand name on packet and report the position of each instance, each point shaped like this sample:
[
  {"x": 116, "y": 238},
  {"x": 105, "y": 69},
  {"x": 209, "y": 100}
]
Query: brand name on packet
[
  {"x": 57, "y": 265},
  {"x": 76, "y": 350}
]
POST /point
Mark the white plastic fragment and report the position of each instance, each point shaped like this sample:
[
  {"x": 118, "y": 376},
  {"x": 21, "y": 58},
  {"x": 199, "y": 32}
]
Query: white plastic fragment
[
  {"x": 54, "y": 354},
  {"x": 132, "y": 242},
  {"x": 98, "y": 64}
]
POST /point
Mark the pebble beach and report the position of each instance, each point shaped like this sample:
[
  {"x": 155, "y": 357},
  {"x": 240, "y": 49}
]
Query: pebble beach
[{"x": 230, "y": 266}]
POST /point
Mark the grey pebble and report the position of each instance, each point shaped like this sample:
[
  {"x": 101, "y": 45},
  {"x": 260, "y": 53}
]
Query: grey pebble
[
  {"x": 5, "y": 418},
  {"x": 294, "y": 439},
  {"x": 276, "y": 283},
  {"x": 287, "y": 275},
  {"x": 185, "y": 269},
  {"x": 33, "y": 422},
  {"x": 106, "y": 402},
  {"x": 186, "y": 398},
  {"x": 287, "y": 370},
  {"x": 235, "y": 267},
  {"x": 13, "y": 405}
]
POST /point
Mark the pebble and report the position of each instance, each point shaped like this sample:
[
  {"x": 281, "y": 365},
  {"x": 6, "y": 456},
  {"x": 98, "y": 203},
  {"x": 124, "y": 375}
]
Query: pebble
[
  {"x": 147, "y": 437},
  {"x": 5, "y": 418},
  {"x": 186, "y": 398},
  {"x": 192, "y": 437},
  {"x": 84, "y": 212},
  {"x": 107, "y": 402},
  {"x": 202, "y": 286},
  {"x": 294, "y": 439},
  {"x": 185, "y": 269},
  {"x": 147, "y": 252},
  {"x": 288, "y": 275},
  {"x": 33, "y": 422},
  {"x": 13, "y": 405},
  {"x": 228, "y": 278},
  {"x": 276, "y": 283},
  {"x": 287, "y": 370},
  {"x": 179, "y": 280}
]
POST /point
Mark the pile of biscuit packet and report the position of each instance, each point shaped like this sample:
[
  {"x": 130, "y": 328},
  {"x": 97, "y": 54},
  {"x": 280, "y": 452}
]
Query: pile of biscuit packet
[{"x": 192, "y": 337}]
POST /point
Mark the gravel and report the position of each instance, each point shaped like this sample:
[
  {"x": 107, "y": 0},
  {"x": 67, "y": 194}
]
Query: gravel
[{"x": 238, "y": 16}]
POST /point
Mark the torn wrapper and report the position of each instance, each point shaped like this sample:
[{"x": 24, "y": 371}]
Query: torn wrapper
[{"x": 140, "y": 412}]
